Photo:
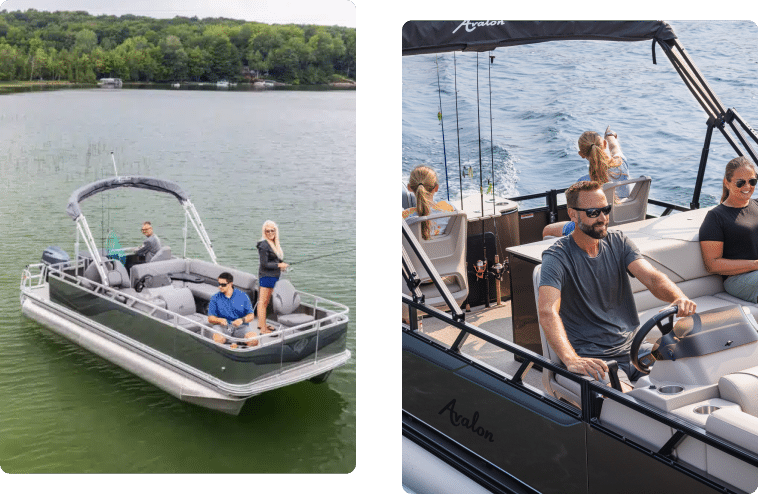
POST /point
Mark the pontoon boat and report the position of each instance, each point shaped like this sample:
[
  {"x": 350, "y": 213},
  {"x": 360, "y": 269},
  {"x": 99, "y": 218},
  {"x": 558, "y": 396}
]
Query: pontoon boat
[{"x": 151, "y": 319}]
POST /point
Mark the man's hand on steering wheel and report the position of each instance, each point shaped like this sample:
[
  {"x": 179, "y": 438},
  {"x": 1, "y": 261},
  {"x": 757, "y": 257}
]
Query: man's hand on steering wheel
[{"x": 686, "y": 306}]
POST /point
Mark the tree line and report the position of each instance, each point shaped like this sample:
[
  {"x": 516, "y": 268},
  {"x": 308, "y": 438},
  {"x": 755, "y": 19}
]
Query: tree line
[{"x": 79, "y": 47}]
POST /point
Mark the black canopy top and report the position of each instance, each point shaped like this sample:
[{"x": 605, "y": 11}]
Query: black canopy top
[
  {"x": 442, "y": 36},
  {"x": 148, "y": 183}
]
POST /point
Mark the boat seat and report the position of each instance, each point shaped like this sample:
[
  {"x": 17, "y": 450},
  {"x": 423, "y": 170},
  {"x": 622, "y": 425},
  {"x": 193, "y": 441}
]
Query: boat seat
[
  {"x": 741, "y": 429},
  {"x": 447, "y": 252},
  {"x": 741, "y": 388},
  {"x": 163, "y": 254},
  {"x": 557, "y": 385},
  {"x": 286, "y": 302},
  {"x": 115, "y": 272},
  {"x": 632, "y": 208},
  {"x": 156, "y": 268},
  {"x": 409, "y": 200}
]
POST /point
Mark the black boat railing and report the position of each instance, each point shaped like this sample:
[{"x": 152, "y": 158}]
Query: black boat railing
[{"x": 592, "y": 392}]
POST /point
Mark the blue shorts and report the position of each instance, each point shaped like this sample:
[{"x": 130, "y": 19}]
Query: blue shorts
[{"x": 268, "y": 281}]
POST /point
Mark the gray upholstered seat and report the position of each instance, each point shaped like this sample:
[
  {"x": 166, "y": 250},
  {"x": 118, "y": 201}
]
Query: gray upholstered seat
[
  {"x": 632, "y": 208},
  {"x": 163, "y": 254},
  {"x": 286, "y": 301},
  {"x": 115, "y": 273}
]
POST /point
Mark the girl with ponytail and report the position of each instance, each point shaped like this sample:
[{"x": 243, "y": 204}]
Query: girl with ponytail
[{"x": 423, "y": 183}]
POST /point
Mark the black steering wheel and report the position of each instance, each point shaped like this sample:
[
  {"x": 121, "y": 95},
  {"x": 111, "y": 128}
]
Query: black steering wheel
[
  {"x": 644, "y": 364},
  {"x": 140, "y": 285}
]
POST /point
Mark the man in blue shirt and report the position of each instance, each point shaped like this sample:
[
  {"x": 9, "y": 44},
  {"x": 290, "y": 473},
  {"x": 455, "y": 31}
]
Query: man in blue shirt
[{"x": 231, "y": 308}]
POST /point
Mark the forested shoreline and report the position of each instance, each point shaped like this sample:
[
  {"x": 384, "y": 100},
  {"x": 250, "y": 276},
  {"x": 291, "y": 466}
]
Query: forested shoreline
[{"x": 82, "y": 48}]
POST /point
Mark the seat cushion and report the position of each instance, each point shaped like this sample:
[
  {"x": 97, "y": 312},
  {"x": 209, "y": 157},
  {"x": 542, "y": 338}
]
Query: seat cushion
[
  {"x": 741, "y": 388},
  {"x": 294, "y": 319}
]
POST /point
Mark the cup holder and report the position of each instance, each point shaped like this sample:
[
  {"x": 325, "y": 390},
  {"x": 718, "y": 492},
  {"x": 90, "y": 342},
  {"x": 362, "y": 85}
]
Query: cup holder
[
  {"x": 706, "y": 410},
  {"x": 670, "y": 390}
]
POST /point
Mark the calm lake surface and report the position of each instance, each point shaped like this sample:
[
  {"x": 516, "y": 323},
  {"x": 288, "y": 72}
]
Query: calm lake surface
[
  {"x": 545, "y": 95},
  {"x": 244, "y": 157}
]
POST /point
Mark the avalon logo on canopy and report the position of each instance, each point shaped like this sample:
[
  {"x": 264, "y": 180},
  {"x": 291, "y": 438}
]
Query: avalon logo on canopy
[{"x": 471, "y": 26}]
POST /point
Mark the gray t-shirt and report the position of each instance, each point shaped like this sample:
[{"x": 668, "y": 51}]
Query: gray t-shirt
[
  {"x": 150, "y": 247},
  {"x": 597, "y": 304}
]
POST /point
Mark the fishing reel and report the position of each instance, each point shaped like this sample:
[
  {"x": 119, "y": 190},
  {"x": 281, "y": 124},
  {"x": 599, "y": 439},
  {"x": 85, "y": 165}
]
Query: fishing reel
[
  {"x": 498, "y": 269},
  {"x": 480, "y": 268}
]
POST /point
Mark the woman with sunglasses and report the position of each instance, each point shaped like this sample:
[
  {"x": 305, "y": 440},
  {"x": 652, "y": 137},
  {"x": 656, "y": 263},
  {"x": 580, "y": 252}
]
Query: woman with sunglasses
[
  {"x": 271, "y": 255},
  {"x": 729, "y": 233},
  {"x": 607, "y": 163}
]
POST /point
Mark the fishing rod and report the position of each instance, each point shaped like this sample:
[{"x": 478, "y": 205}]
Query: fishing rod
[
  {"x": 458, "y": 127},
  {"x": 439, "y": 116}
]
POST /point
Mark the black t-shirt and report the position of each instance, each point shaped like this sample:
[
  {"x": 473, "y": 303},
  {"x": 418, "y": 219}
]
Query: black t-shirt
[{"x": 737, "y": 228}]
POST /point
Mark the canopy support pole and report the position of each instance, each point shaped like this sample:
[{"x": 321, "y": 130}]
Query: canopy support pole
[
  {"x": 695, "y": 204},
  {"x": 83, "y": 227},
  {"x": 189, "y": 208},
  {"x": 731, "y": 116}
]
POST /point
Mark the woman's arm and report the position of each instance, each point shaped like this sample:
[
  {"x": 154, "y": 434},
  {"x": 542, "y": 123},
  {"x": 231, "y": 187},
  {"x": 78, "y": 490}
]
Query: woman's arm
[{"x": 714, "y": 263}]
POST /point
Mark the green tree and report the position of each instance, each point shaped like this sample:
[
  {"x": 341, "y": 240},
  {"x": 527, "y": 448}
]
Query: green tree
[
  {"x": 174, "y": 58},
  {"x": 198, "y": 63},
  {"x": 86, "y": 41}
]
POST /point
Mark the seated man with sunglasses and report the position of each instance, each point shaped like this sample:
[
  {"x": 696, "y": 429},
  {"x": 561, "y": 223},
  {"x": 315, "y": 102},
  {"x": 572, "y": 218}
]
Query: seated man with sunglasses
[
  {"x": 586, "y": 306},
  {"x": 232, "y": 309}
]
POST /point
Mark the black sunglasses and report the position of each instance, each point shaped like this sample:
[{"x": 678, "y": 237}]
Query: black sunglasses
[
  {"x": 223, "y": 284},
  {"x": 595, "y": 212},
  {"x": 752, "y": 182}
]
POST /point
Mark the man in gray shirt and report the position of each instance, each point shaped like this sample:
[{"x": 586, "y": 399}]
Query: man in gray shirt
[
  {"x": 152, "y": 243},
  {"x": 586, "y": 305}
]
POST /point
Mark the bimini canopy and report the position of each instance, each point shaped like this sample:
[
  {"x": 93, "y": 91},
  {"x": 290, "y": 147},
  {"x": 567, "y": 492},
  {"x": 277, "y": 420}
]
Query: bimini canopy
[
  {"x": 442, "y": 36},
  {"x": 148, "y": 183}
]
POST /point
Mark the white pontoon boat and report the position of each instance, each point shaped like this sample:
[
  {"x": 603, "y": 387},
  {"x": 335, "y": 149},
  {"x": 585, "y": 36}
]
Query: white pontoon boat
[{"x": 151, "y": 319}]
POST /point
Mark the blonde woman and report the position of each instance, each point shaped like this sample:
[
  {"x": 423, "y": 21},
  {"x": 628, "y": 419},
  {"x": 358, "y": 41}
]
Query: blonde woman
[
  {"x": 423, "y": 183},
  {"x": 606, "y": 164},
  {"x": 271, "y": 255}
]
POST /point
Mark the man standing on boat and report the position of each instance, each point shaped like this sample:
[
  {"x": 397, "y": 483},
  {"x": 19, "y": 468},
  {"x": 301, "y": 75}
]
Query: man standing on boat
[
  {"x": 586, "y": 305},
  {"x": 152, "y": 243},
  {"x": 231, "y": 308}
]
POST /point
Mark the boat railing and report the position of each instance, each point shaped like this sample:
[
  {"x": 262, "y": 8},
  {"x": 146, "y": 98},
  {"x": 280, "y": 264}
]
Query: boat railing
[
  {"x": 336, "y": 313},
  {"x": 592, "y": 392},
  {"x": 33, "y": 275}
]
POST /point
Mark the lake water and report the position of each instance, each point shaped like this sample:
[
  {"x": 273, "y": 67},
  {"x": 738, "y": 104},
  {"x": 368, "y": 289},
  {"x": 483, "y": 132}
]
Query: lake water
[
  {"x": 244, "y": 157},
  {"x": 545, "y": 95}
]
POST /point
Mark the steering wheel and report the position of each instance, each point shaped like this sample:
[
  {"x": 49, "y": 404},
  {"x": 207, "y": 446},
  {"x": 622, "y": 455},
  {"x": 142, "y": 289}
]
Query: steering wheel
[
  {"x": 644, "y": 364},
  {"x": 140, "y": 285}
]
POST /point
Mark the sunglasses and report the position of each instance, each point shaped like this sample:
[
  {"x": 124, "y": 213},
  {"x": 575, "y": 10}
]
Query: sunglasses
[
  {"x": 739, "y": 183},
  {"x": 223, "y": 284},
  {"x": 270, "y": 231},
  {"x": 595, "y": 212}
]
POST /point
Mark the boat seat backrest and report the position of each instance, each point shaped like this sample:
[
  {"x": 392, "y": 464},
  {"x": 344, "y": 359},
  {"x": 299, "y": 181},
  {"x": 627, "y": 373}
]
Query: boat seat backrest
[
  {"x": 741, "y": 388},
  {"x": 179, "y": 300},
  {"x": 409, "y": 200},
  {"x": 116, "y": 273},
  {"x": 447, "y": 253},
  {"x": 157, "y": 268},
  {"x": 632, "y": 208},
  {"x": 285, "y": 298},
  {"x": 163, "y": 254},
  {"x": 210, "y": 273}
]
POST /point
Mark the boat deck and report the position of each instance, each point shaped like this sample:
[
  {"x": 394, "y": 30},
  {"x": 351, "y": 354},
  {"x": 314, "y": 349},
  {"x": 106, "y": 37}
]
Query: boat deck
[{"x": 496, "y": 320}]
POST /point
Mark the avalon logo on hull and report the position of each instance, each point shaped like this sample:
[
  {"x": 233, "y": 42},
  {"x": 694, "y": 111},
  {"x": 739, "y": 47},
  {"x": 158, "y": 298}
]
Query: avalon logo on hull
[
  {"x": 459, "y": 420},
  {"x": 471, "y": 26}
]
